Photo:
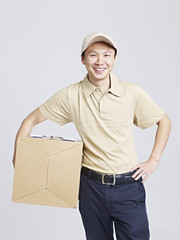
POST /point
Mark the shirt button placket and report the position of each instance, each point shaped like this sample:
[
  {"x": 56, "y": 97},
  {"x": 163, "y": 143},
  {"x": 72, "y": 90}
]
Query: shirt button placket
[{"x": 100, "y": 105}]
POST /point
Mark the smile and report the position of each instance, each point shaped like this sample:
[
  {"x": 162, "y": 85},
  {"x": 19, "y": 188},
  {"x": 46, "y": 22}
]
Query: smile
[{"x": 99, "y": 70}]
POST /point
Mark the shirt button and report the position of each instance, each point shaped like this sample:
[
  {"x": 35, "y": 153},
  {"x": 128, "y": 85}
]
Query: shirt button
[{"x": 97, "y": 89}]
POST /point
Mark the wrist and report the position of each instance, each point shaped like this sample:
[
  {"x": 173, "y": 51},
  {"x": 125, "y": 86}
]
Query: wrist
[{"x": 154, "y": 159}]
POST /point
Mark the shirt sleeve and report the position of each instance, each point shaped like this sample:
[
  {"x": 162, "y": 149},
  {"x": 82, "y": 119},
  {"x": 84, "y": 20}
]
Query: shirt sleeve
[
  {"x": 147, "y": 112},
  {"x": 57, "y": 108}
]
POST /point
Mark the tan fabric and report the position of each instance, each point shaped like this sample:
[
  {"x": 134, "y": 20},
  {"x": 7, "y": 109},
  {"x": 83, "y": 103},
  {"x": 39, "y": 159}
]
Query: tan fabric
[
  {"x": 104, "y": 122},
  {"x": 96, "y": 37}
]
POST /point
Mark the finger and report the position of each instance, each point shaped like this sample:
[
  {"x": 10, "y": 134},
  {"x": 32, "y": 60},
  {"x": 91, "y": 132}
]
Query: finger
[
  {"x": 139, "y": 176},
  {"x": 137, "y": 173},
  {"x": 132, "y": 169},
  {"x": 135, "y": 167},
  {"x": 145, "y": 178}
]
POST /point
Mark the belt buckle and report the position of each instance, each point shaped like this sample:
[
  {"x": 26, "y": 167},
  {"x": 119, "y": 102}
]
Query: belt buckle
[{"x": 114, "y": 180}]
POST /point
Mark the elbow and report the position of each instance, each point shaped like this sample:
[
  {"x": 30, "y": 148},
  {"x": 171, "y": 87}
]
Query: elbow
[
  {"x": 27, "y": 122},
  {"x": 34, "y": 118}
]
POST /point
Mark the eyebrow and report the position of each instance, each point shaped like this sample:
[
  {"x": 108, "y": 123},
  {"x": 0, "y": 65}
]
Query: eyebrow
[{"x": 96, "y": 52}]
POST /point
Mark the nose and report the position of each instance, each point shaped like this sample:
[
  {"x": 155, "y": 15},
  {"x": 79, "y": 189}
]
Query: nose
[{"x": 99, "y": 60}]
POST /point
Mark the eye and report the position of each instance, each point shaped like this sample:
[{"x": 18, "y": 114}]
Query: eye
[
  {"x": 92, "y": 55},
  {"x": 107, "y": 55}
]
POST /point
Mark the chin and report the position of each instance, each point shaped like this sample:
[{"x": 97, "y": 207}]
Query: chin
[{"x": 100, "y": 76}]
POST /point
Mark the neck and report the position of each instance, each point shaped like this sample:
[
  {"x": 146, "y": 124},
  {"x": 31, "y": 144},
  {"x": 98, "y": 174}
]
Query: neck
[{"x": 103, "y": 84}]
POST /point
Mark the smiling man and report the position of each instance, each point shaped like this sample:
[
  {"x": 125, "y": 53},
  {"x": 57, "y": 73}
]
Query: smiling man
[
  {"x": 99, "y": 61},
  {"x": 104, "y": 111}
]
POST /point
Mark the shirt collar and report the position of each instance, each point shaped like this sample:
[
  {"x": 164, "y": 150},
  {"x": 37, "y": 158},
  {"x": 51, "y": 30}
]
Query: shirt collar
[{"x": 115, "y": 89}]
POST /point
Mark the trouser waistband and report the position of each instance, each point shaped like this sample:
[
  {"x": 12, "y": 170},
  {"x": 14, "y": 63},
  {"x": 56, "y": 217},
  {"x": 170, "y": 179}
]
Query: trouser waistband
[{"x": 109, "y": 179}]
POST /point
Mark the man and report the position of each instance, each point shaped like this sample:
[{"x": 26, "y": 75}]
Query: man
[{"x": 104, "y": 110}]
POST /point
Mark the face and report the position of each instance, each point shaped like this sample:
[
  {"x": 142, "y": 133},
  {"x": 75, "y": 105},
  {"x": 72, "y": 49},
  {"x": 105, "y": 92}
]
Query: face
[{"x": 99, "y": 61}]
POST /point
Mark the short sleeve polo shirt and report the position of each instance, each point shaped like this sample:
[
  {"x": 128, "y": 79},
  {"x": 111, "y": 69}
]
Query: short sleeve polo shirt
[{"x": 104, "y": 121}]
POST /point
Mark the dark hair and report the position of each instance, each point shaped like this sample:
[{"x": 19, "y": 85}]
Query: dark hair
[{"x": 115, "y": 53}]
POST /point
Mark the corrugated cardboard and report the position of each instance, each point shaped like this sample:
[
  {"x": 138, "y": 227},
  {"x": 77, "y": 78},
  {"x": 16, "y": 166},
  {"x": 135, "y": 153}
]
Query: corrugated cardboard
[{"x": 47, "y": 172}]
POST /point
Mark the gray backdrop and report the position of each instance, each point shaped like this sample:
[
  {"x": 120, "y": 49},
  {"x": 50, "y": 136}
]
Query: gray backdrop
[{"x": 40, "y": 44}]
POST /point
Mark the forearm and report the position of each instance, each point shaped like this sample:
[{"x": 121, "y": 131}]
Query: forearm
[
  {"x": 26, "y": 127},
  {"x": 24, "y": 131},
  {"x": 161, "y": 138}
]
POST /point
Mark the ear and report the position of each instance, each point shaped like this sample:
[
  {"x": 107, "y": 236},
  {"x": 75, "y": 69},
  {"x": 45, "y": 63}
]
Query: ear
[
  {"x": 115, "y": 58},
  {"x": 82, "y": 60}
]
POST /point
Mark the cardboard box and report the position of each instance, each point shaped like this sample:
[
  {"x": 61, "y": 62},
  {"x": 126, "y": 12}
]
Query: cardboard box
[{"x": 47, "y": 172}]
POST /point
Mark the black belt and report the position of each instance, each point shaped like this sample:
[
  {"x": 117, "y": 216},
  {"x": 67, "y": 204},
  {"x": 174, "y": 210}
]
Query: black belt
[{"x": 109, "y": 179}]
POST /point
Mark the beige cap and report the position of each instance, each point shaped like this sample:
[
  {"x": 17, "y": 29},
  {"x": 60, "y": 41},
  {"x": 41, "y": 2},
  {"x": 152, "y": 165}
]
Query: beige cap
[{"x": 97, "y": 37}]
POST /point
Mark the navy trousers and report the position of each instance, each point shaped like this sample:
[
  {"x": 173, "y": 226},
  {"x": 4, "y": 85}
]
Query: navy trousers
[{"x": 102, "y": 205}]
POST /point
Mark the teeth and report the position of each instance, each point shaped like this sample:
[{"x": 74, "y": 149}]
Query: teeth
[{"x": 99, "y": 69}]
